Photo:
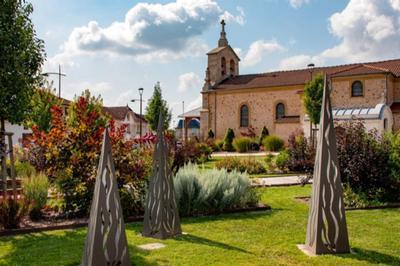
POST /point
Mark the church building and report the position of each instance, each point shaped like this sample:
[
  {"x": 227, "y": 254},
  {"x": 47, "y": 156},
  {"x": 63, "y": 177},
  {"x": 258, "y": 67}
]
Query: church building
[{"x": 367, "y": 91}]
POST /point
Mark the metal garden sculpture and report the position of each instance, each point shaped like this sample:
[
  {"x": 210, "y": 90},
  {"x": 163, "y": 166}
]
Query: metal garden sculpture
[
  {"x": 106, "y": 242},
  {"x": 161, "y": 219},
  {"x": 327, "y": 229}
]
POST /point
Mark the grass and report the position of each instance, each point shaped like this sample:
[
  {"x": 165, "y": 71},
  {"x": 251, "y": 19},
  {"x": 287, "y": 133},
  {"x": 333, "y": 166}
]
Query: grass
[{"x": 258, "y": 238}]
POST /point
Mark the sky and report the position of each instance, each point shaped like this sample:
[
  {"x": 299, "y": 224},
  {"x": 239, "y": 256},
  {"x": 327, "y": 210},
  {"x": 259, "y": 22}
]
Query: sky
[{"x": 114, "y": 47}]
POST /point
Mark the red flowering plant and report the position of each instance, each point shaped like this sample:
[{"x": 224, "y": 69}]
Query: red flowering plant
[{"x": 70, "y": 151}]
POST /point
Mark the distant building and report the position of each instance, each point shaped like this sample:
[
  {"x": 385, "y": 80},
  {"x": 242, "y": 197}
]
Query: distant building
[
  {"x": 125, "y": 115},
  {"x": 189, "y": 125},
  {"x": 368, "y": 91}
]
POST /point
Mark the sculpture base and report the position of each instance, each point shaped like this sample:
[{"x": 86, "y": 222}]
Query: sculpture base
[
  {"x": 308, "y": 252},
  {"x": 305, "y": 250}
]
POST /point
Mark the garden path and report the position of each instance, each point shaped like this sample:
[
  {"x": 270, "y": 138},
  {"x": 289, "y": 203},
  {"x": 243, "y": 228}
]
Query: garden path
[
  {"x": 277, "y": 181},
  {"x": 237, "y": 154}
]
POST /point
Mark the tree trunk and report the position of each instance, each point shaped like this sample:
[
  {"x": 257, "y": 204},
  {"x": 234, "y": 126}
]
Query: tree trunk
[{"x": 3, "y": 172}]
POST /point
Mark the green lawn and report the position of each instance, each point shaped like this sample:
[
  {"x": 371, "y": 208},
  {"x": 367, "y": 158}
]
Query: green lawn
[{"x": 258, "y": 238}]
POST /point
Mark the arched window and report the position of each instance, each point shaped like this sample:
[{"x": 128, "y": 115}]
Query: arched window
[
  {"x": 244, "y": 116},
  {"x": 223, "y": 66},
  {"x": 280, "y": 111},
  {"x": 232, "y": 67},
  {"x": 357, "y": 89}
]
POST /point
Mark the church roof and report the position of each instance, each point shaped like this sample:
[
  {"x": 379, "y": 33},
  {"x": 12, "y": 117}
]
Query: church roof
[
  {"x": 302, "y": 76},
  {"x": 219, "y": 49}
]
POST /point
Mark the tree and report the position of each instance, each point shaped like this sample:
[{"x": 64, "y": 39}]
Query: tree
[
  {"x": 229, "y": 136},
  {"x": 264, "y": 133},
  {"x": 211, "y": 134},
  {"x": 40, "y": 115},
  {"x": 155, "y": 106},
  {"x": 312, "y": 99},
  {"x": 21, "y": 58}
]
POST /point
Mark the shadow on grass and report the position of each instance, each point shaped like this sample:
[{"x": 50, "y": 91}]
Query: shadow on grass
[
  {"x": 204, "y": 241},
  {"x": 372, "y": 257},
  {"x": 54, "y": 248},
  {"x": 229, "y": 216}
]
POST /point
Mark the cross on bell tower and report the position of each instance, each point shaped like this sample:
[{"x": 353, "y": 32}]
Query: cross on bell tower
[{"x": 222, "y": 42}]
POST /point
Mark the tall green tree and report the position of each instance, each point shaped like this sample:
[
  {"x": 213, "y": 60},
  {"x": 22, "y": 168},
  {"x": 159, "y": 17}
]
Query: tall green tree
[
  {"x": 156, "y": 106},
  {"x": 21, "y": 57},
  {"x": 312, "y": 99}
]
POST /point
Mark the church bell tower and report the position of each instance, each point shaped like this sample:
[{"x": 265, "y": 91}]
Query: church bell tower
[{"x": 223, "y": 62}]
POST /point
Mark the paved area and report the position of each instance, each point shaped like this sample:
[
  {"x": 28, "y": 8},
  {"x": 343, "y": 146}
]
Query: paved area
[
  {"x": 277, "y": 181},
  {"x": 151, "y": 246},
  {"x": 237, "y": 154}
]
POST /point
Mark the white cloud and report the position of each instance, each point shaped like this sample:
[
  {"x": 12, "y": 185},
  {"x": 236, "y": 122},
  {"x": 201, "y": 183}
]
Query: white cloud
[
  {"x": 194, "y": 104},
  {"x": 239, "y": 19},
  {"x": 367, "y": 30},
  {"x": 150, "y": 31},
  {"x": 299, "y": 61},
  {"x": 298, "y": 3},
  {"x": 188, "y": 81},
  {"x": 258, "y": 50}
]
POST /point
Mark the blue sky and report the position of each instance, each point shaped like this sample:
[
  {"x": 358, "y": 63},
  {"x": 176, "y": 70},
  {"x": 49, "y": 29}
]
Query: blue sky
[{"x": 114, "y": 47}]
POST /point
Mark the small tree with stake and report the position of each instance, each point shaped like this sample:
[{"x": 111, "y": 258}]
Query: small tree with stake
[
  {"x": 21, "y": 58},
  {"x": 312, "y": 101}
]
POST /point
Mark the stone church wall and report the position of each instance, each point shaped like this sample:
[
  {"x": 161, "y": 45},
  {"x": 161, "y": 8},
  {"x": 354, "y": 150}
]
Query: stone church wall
[{"x": 261, "y": 103}]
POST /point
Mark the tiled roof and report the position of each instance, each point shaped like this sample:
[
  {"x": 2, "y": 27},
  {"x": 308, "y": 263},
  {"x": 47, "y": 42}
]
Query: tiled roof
[
  {"x": 117, "y": 112},
  {"x": 218, "y": 49},
  {"x": 120, "y": 112},
  {"x": 302, "y": 76}
]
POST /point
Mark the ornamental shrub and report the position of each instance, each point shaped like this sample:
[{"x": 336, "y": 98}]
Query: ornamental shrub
[
  {"x": 228, "y": 140},
  {"x": 12, "y": 212},
  {"x": 249, "y": 165},
  {"x": 242, "y": 144},
  {"x": 282, "y": 159},
  {"x": 264, "y": 133},
  {"x": 273, "y": 143},
  {"x": 35, "y": 189},
  {"x": 212, "y": 191},
  {"x": 210, "y": 134},
  {"x": 301, "y": 154},
  {"x": 366, "y": 161},
  {"x": 69, "y": 152},
  {"x": 190, "y": 151}
]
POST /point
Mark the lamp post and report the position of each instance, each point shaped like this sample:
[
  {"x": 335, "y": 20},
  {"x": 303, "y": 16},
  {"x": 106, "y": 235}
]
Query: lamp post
[
  {"x": 141, "y": 101},
  {"x": 140, "y": 121},
  {"x": 59, "y": 74}
]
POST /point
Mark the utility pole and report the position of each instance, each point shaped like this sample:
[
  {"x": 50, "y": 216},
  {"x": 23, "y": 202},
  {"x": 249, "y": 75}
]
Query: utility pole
[{"x": 59, "y": 74}]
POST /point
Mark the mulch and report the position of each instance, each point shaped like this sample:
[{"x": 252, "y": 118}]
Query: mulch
[{"x": 27, "y": 226}]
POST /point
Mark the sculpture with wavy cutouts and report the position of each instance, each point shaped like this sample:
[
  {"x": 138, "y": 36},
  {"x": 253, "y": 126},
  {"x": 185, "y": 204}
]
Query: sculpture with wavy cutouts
[
  {"x": 106, "y": 242},
  {"x": 327, "y": 229}
]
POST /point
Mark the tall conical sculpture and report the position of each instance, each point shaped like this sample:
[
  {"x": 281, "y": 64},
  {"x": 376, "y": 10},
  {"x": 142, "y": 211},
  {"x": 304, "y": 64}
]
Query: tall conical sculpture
[
  {"x": 327, "y": 229},
  {"x": 106, "y": 242},
  {"x": 161, "y": 218}
]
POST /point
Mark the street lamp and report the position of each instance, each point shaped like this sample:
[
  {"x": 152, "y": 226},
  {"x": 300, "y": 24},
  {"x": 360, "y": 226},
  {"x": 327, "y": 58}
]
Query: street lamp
[
  {"x": 59, "y": 74},
  {"x": 140, "y": 119}
]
